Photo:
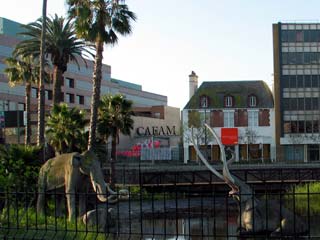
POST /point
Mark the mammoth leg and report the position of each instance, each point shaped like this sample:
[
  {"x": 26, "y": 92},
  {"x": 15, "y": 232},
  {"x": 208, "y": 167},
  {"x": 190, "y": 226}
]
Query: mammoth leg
[
  {"x": 40, "y": 202},
  {"x": 71, "y": 181},
  {"x": 41, "y": 193}
]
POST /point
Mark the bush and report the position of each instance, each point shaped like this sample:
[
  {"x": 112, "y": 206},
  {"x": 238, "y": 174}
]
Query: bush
[{"x": 19, "y": 167}]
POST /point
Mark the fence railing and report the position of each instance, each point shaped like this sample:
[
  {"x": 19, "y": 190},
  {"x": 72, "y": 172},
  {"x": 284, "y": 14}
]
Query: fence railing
[{"x": 163, "y": 213}]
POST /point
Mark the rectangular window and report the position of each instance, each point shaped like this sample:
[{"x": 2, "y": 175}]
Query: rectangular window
[
  {"x": 49, "y": 94},
  {"x": 291, "y": 36},
  {"x": 253, "y": 118},
  {"x": 285, "y": 81},
  {"x": 293, "y": 104},
  {"x": 293, "y": 81},
  {"x": 299, "y": 36},
  {"x": 300, "y": 81},
  {"x": 315, "y": 103},
  {"x": 70, "y": 82},
  {"x": 34, "y": 92},
  {"x": 316, "y": 126},
  {"x": 284, "y": 36},
  {"x": 284, "y": 58},
  {"x": 300, "y": 103},
  {"x": 308, "y": 103},
  {"x": 307, "y": 81},
  {"x": 314, "y": 81},
  {"x": 205, "y": 117},
  {"x": 306, "y": 36},
  {"x": 80, "y": 99},
  {"x": 70, "y": 97},
  {"x": 21, "y": 106},
  {"x": 228, "y": 118},
  {"x": 228, "y": 101}
]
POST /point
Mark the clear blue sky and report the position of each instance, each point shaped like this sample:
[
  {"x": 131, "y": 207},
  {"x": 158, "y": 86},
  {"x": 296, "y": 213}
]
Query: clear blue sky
[{"x": 218, "y": 39}]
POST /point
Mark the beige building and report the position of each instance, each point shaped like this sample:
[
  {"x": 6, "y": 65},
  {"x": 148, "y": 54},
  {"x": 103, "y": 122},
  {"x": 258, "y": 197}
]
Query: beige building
[{"x": 157, "y": 130}]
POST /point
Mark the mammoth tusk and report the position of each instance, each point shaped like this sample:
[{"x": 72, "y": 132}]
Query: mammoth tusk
[
  {"x": 226, "y": 171},
  {"x": 203, "y": 159},
  {"x": 110, "y": 190}
]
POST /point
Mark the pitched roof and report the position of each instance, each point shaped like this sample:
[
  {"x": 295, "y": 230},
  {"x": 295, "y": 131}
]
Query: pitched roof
[{"x": 239, "y": 90}]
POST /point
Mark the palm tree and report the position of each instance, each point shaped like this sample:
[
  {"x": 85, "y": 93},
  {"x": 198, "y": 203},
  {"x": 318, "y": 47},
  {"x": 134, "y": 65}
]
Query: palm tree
[
  {"x": 41, "y": 97},
  {"x": 99, "y": 22},
  {"x": 65, "y": 128},
  {"x": 61, "y": 47},
  {"x": 115, "y": 117},
  {"x": 23, "y": 71}
]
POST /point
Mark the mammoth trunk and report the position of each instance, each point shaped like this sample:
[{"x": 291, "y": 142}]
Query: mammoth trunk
[{"x": 99, "y": 187}]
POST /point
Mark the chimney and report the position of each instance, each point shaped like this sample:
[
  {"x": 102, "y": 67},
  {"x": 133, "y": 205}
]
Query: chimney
[{"x": 193, "y": 83}]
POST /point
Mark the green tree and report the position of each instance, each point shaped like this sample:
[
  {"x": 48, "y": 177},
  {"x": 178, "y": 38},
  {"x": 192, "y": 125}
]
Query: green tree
[
  {"x": 65, "y": 128},
  {"x": 23, "y": 71},
  {"x": 61, "y": 47},
  {"x": 99, "y": 22},
  {"x": 115, "y": 117}
]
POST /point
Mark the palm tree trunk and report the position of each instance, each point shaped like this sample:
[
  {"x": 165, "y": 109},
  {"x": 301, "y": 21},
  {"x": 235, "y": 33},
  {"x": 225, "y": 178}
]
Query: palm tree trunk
[
  {"x": 113, "y": 160},
  {"x": 96, "y": 85},
  {"x": 57, "y": 80},
  {"x": 41, "y": 97},
  {"x": 27, "y": 136}
]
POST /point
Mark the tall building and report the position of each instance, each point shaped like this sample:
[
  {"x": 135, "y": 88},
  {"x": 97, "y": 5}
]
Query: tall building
[
  {"x": 77, "y": 86},
  {"x": 296, "y": 90}
]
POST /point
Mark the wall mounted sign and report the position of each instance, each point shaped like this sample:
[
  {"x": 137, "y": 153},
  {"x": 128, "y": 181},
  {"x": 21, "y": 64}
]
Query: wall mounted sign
[
  {"x": 156, "y": 131},
  {"x": 229, "y": 136}
]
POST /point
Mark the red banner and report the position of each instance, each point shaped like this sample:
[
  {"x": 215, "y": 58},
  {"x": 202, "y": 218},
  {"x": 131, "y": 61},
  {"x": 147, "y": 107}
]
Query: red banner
[{"x": 229, "y": 136}]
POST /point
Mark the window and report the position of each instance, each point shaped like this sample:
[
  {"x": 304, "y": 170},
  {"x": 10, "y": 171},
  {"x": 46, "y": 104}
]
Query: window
[
  {"x": 80, "y": 99},
  {"x": 204, "y": 102},
  {"x": 34, "y": 92},
  {"x": 49, "y": 94},
  {"x": 253, "y": 118},
  {"x": 228, "y": 101},
  {"x": 70, "y": 82},
  {"x": 228, "y": 118},
  {"x": 252, "y": 101},
  {"x": 70, "y": 97}
]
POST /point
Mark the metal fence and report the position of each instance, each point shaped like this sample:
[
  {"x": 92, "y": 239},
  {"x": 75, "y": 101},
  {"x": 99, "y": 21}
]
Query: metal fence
[{"x": 192, "y": 212}]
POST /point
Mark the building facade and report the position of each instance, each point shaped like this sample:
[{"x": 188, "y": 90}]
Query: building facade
[
  {"x": 296, "y": 90},
  {"x": 77, "y": 86},
  {"x": 155, "y": 134},
  {"x": 241, "y": 111}
]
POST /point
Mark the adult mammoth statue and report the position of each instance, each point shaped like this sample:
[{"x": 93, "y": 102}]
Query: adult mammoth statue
[
  {"x": 255, "y": 215},
  {"x": 73, "y": 171}
]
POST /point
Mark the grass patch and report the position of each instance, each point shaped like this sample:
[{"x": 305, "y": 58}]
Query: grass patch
[
  {"x": 305, "y": 198},
  {"x": 25, "y": 223}
]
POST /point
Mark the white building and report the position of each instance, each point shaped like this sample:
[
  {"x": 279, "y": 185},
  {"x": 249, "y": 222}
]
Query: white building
[{"x": 240, "y": 112}]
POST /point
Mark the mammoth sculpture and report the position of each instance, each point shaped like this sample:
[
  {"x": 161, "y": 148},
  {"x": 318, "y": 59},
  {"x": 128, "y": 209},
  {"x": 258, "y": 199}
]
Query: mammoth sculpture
[
  {"x": 255, "y": 215},
  {"x": 73, "y": 171}
]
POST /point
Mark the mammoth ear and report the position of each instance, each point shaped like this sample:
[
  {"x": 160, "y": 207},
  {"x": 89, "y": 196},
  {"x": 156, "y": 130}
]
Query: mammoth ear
[
  {"x": 87, "y": 158},
  {"x": 76, "y": 160}
]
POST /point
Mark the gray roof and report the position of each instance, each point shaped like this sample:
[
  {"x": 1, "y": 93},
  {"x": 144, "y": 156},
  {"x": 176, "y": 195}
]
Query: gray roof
[{"x": 239, "y": 90}]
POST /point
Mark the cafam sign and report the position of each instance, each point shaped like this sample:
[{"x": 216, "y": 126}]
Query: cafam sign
[{"x": 156, "y": 131}]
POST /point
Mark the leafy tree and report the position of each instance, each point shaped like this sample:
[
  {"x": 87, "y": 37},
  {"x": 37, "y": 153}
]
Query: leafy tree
[
  {"x": 99, "y": 22},
  {"x": 65, "y": 128},
  {"x": 23, "y": 71},
  {"x": 115, "y": 117},
  {"x": 61, "y": 47}
]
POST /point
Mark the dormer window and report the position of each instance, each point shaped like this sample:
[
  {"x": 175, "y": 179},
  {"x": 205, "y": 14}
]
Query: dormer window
[
  {"x": 228, "y": 101},
  {"x": 252, "y": 101},
  {"x": 204, "y": 101}
]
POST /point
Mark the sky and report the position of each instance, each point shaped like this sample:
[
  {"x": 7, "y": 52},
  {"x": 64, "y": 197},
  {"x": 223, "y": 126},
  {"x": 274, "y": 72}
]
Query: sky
[{"x": 219, "y": 40}]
